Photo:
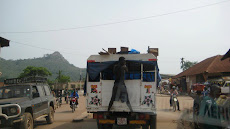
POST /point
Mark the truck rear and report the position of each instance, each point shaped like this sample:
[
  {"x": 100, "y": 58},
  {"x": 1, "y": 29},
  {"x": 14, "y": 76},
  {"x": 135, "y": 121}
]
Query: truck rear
[{"x": 141, "y": 82}]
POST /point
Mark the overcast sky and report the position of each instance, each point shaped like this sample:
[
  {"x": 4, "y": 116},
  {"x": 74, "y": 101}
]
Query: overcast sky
[{"x": 193, "y": 29}]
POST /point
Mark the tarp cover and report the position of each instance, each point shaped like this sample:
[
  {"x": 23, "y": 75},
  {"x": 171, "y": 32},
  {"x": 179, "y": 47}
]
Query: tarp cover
[{"x": 94, "y": 68}]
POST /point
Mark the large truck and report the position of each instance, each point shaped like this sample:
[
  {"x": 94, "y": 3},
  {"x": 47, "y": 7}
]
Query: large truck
[{"x": 141, "y": 81}]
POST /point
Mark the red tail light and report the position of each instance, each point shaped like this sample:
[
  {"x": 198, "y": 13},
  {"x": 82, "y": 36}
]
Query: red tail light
[
  {"x": 141, "y": 116},
  {"x": 90, "y": 61},
  {"x": 152, "y": 59},
  {"x": 144, "y": 117},
  {"x": 98, "y": 116}
]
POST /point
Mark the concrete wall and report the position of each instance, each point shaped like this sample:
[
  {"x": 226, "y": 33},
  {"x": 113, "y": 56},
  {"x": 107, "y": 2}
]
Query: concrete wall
[{"x": 190, "y": 80}]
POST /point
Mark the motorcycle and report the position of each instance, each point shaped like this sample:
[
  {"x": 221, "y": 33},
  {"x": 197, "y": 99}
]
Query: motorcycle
[
  {"x": 74, "y": 103},
  {"x": 174, "y": 102},
  {"x": 59, "y": 102}
]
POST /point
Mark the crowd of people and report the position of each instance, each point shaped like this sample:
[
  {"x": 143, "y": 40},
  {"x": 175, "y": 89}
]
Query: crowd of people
[{"x": 67, "y": 94}]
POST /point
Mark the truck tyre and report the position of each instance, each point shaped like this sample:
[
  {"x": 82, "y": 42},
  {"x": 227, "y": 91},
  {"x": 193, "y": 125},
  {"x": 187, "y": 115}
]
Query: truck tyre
[
  {"x": 99, "y": 126},
  {"x": 153, "y": 122},
  {"x": 50, "y": 117},
  {"x": 28, "y": 122},
  {"x": 145, "y": 126},
  {"x": 108, "y": 126}
]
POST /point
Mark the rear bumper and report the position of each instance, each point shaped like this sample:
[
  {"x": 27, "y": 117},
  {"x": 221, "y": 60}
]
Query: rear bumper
[{"x": 137, "y": 122}]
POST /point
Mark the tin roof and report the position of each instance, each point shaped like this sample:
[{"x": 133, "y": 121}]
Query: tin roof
[
  {"x": 209, "y": 65},
  {"x": 227, "y": 55},
  {"x": 4, "y": 42}
]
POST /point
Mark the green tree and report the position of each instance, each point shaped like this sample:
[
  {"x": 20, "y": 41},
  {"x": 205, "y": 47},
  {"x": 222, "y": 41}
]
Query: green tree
[
  {"x": 186, "y": 64},
  {"x": 50, "y": 83},
  {"x": 35, "y": 71},
  {"x": 62, "y": 78}
]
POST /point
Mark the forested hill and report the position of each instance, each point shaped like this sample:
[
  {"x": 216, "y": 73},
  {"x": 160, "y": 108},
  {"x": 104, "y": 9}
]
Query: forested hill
[{"x": 53, "y": 62}]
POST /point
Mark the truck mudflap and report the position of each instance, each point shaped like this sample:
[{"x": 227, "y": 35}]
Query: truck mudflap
[
  {"x": 123, "y": 118},
  {"x": 10, "y": 111}
]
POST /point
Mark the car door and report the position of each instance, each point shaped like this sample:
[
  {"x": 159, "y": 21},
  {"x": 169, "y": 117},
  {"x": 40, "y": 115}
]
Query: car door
[
  {"x": 36, "y": 102},
  {"x": 43, "y": 98},
  {"x": 49, "y": 96}
]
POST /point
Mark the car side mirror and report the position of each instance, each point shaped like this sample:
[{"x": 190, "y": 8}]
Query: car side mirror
[{"x": 35, "y": 95}]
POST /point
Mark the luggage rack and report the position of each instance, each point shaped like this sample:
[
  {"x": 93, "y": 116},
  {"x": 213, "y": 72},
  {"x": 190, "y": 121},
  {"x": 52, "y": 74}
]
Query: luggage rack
[{"x": 36, "y": 79}]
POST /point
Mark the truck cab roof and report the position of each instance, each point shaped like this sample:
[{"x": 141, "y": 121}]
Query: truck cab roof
[{"x": 115, "y": 57}]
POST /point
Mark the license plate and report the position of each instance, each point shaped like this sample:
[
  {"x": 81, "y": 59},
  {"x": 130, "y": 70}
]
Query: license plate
[
  {"x": 175, "y": 99},
  {"x": 121, "y": 121}
]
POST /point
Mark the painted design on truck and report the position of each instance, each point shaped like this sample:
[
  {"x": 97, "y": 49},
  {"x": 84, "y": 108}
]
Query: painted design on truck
[
  {"x": 148, "y": 100},
  {"x": 148, "y": 88},
  {"x": 95, "y": 101},
  {"x": 93, "y": 88}
]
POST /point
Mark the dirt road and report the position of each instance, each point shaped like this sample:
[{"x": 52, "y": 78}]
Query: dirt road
[{"x": 166, "y": 118}]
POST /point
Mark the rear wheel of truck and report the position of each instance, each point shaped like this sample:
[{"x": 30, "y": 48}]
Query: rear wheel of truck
[
  {"x": 145, "y": 126},
  {"x": 153, "y": 122},
  {"x": 104, "y": 126},
  {"x": 28, "y": 123}
]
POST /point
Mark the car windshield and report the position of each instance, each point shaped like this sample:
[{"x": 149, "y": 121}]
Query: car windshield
[{"x": 14, "y": 92}]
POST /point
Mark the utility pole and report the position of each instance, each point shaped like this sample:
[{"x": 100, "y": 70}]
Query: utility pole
[{"x": 80, "y": 79}]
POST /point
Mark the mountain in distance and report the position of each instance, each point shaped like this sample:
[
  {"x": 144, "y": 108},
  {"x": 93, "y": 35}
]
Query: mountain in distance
[{"x": 53, "y": 62}]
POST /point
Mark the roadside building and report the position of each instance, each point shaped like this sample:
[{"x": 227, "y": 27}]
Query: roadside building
[
  {"x": 3, "y": 43},
  {"x": 75, "y": 85},
  {"x": 70, "y": 85},
  {"x": 210, "y": 69},
  {"x": 1, "y": 84}
]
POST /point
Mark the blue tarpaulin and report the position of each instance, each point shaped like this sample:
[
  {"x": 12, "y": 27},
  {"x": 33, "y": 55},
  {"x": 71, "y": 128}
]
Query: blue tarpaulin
[{"x": 94, "y": 68}]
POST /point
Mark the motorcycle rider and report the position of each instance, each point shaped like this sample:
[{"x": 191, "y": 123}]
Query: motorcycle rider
[
  {"x": 73, "y": 95},
  {"x": 174, "y": 92}
]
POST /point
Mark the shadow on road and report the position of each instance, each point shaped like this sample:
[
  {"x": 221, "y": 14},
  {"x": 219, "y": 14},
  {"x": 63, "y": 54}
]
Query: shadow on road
[
  {"x": 69, "y": 111},
  {"x": 165, "y": 110},
  {"x": 38, "y": 123}
]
